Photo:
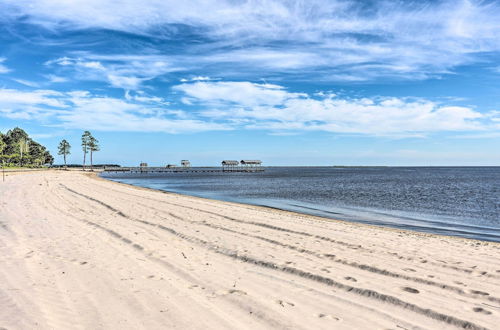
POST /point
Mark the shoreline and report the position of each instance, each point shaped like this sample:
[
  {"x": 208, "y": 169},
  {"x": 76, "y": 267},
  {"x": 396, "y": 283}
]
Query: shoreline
[
  {"x": 93, "y": 253},
  {"x": 318, "y": 217}
]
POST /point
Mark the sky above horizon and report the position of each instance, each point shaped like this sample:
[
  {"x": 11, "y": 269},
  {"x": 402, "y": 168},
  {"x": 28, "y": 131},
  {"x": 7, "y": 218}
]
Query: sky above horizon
[{"x": 339, "y": 82}]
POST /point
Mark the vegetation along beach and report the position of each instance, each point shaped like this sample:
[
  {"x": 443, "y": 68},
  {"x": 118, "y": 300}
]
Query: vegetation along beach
[{"x": 249, "y": 164}]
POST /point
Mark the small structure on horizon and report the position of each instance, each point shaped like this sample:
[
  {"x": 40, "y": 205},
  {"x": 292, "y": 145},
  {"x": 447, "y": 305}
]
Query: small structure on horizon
[
  {"x": 171, "y": 166},
  {"x": 143, "y": 165},
  {"x": 230, "y": 165},
  {"x": 185, "y": 163},
  {"x": 251, "y": 163}
]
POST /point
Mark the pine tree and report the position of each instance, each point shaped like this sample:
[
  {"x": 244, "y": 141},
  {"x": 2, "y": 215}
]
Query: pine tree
[
  {"x": 93, "y": 147},
  {"x": 64, "y": 149},
  {"x": 85, "y": 145}
]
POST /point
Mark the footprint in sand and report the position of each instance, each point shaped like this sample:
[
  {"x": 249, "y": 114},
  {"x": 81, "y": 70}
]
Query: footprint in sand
[
  {"x": 481, "y": 310},
  {"x": 228, "y": 292},
  {"x": 411, "y": 290},
  {"x": 328, "y": 317},
  {"x": 284, "y": 303},
  {"x": 351, "y": 279},
  {"x": 238, "y": 292}
]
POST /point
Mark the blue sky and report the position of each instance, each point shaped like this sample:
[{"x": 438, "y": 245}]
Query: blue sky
[{"x": 289, "y": 82}]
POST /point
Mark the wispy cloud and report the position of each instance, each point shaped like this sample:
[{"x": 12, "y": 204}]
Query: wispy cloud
[
  {"x": 332, "y": 40},
  {"x": 3, "y": 68},
  {"x": 27, "y": 83},
  {"x": 242, "y": 93},
  {"x": 55, "y": 79},
  {"x": 121, "y": 71},
  {"x": 83, "y": 110},
  {"x": 14, "y": 98},
  {"x": 197, "y": 78},
  {"x": 141, "y": 96}
]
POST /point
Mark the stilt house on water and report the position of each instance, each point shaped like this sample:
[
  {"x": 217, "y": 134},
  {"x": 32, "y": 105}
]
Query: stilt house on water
[
  {"x": 185, "y": 163},
  {"x": 243, "y": 166},
  {"x": 251, "y": 163},
  {"x": 230, "y": 165}
]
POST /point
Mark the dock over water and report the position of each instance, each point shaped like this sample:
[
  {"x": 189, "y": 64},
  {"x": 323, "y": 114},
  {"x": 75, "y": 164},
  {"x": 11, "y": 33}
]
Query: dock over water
[
  {"x": 226, "y": 166},
  {"x": 143, "y": 169}
]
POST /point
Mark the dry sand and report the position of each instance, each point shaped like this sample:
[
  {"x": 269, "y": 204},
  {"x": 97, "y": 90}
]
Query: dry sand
[{"x": 82, "y": 252}]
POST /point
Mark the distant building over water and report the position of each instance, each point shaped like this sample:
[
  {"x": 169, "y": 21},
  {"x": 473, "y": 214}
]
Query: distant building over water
[
  {"x": 251, "y": 163},
  {"x": 244, "y": 165}
]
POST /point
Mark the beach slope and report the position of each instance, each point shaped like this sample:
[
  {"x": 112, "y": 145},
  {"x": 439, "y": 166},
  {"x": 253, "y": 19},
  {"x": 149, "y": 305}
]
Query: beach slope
[{"x": 82, "y": 252}]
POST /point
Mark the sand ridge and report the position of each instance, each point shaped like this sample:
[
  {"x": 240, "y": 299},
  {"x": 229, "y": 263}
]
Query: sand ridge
[{"x": 80, "y": 252}]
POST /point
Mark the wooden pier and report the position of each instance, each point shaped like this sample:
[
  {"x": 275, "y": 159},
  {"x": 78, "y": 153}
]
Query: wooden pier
[
  {"x": 227, "y": 166},
  {"x": 143, "y": 169}
]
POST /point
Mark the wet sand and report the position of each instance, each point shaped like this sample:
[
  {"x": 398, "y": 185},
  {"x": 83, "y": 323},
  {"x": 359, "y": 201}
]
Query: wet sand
[{"x": 82, "y": 252}]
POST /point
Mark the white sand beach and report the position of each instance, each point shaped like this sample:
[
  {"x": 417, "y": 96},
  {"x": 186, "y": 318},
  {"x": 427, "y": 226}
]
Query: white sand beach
[{"x": 80, "y": 252}]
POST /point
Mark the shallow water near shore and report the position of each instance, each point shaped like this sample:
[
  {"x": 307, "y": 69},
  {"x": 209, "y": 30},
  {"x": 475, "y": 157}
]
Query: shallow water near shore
[{"x": 457, "y": 201}]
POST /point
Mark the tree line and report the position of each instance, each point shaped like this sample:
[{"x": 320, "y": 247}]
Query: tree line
[{"x": 18, "y": 149}]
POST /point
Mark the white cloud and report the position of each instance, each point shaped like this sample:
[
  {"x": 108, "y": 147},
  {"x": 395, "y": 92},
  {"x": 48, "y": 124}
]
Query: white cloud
[
  {"x": 27, "y": 83},
  {"x": 120, "y": 71},
  {"x": 337, "y": 39},
  {"x": 14, "y": 97},
  {"x": 111, "y": 114},
  {"x": 241, "y": 93},
  {"x": 61, "y": 61},
  {"x": 271, "y": 107},
  {"x": 140, "y": 96},
  {"x": 223, "y": 105},
  {"x": 83, "y": 110},
  {"x": 197, "y": 78},
  {"x": 125, "y": 82},
  {"x": 3, "y": 68},
  {"x": 200, "y": 78},
  {"x": 55, "y": 79},
  {"x": 92, "y": 65},
  {"x": 39, "y": 104}
]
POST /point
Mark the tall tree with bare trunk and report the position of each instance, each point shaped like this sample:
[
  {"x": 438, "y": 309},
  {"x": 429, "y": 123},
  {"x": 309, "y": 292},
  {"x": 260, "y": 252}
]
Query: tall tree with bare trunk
[
  {"x": 93, "y": 147},
  {"x": 85, "y": 145},
  {"x": 64, "y": 149}
]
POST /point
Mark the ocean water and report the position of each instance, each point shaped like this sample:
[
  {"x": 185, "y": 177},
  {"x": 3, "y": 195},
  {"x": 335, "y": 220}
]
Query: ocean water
[{"x": 457, "y": 201}]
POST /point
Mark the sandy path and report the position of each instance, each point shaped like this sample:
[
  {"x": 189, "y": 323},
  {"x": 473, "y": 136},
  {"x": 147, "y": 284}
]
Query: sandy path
[{"x": 80, "y": 252}]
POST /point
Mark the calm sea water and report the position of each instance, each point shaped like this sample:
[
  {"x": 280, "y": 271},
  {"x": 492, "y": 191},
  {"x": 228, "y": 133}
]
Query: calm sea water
[{"x": 459, "y": 201}]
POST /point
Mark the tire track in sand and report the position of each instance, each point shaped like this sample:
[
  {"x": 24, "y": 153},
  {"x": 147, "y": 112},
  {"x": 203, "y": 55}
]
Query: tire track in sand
[
  {"x": 324, "y": 238},
  {"x": 371, "y": 294},
  {"x": 375, "y": 270}
]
